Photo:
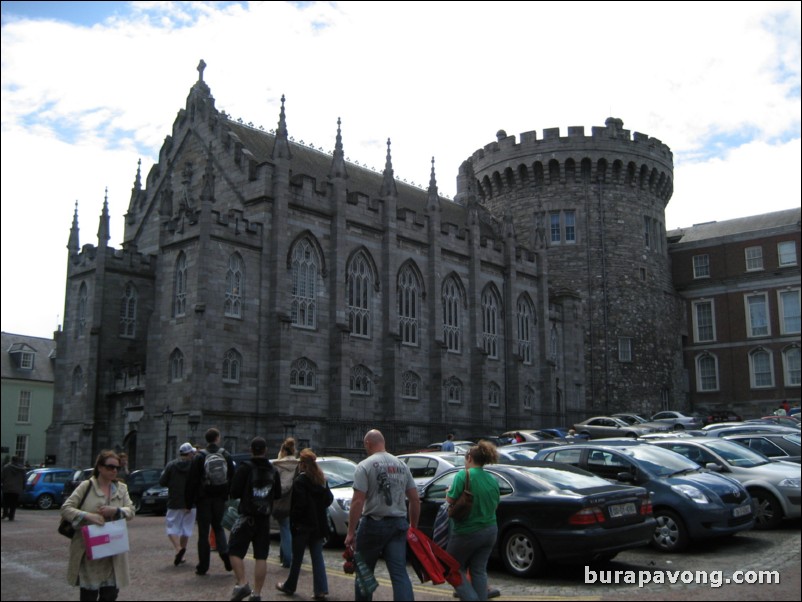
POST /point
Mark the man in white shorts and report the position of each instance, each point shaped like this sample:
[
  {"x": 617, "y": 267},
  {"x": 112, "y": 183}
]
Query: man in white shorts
[{"x": 180, "y": 519}]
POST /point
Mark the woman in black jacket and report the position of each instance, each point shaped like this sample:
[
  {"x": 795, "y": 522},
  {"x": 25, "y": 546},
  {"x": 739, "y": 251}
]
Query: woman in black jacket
[{"x": 309, "y": 523}]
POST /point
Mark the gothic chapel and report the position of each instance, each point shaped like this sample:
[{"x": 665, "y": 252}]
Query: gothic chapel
[{"x": 270, "y": 288}]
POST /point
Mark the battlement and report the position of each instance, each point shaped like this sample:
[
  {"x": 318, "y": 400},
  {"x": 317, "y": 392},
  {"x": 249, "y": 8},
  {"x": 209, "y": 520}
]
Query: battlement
[{"x": 128, "y": 259}]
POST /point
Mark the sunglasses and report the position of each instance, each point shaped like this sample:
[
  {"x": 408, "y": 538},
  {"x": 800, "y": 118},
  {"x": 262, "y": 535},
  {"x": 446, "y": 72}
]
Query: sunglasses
[{"x": 111, "y": 466}]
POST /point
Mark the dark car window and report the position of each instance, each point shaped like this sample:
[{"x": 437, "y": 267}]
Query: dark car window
[
  {"x": 566, "y": 456},
  {"x": 765, "y": 447},
  {"x": 693, "y": 453}
]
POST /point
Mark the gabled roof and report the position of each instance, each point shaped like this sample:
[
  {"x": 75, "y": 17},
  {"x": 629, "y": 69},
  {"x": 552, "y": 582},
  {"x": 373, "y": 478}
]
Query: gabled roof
[
  {"x": 758, "y": 224},
  {"x": 44, "y": 354}
]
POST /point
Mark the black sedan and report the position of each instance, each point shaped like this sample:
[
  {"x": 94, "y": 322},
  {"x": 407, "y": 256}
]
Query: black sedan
[
  {"x": 550, "y": 512},
  {"x": 139, "y": 482}
]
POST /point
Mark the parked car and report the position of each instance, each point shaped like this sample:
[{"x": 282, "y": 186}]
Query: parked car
[
  {"x": 636, "y": 420},
  {"x": 774, "y": 486},
  {"x": 678, "y": 420},
  {"x": 689, "y": 503},
  {"x": 154, "y": 500},
  {"x": 774, "y": 447},
  {"x": 139, "y": 482},
  {"x": 721, "y": 416},
  {"x": 789, "y": 421},
  {"x": 526, "y": 435},
  {"x": 746, "y": 428},
  {"x": 721, "y": 425},
  {"x": 554, "y": 513},
  {"x": 44, "y": 487},
  {"x": 528, "y": 449},
  {"x": 77, "y": 478},
  {"x": 424, "y": 467},
  {"x": 459, "y": 447},
  {"x": 340, "y": 474},
  {"x": 600, "y": 427}
]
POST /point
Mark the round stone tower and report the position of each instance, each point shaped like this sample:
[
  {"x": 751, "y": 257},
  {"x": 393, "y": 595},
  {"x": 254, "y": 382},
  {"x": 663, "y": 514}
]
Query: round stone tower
[{"x": 596, "y": 205}]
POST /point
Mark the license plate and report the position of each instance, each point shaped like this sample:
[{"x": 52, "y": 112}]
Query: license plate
[
  {"x": 618, "y": 510},
  {"x": 742, "y": 510}
]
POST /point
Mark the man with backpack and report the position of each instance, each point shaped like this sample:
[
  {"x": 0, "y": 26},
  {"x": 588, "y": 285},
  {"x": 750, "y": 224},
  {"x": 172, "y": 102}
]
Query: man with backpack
[
  {"x": 256, "y": 484},
  {"x": 208, "y": 485}
]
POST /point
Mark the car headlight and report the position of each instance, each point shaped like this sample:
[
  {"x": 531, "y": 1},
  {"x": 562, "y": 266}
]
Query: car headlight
[
  {"x": 692, "y": 493},
  {"x": 344, "y": 504},
  {"x": 790, "y": 483}
]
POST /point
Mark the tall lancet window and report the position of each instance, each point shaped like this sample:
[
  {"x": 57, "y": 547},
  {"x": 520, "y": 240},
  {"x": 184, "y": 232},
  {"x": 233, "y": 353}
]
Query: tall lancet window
[
  {"x": 128, "y": 312},
  {"x": 180, "y": 286},
  {"x": 408, "y": 306},
  {"x": 452, "y": 301},
  {"x": 305, "y": 268},
  {"x": 360, "y": 281},
  {"x": 234, "y": 282}
]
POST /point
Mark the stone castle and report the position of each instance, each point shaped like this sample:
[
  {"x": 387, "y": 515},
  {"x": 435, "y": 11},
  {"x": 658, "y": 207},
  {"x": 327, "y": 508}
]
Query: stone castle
[{"x": 268, "y": 287}]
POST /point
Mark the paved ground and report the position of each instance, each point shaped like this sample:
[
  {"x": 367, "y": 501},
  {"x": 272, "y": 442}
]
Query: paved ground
[{"x": 34, "y": 558}]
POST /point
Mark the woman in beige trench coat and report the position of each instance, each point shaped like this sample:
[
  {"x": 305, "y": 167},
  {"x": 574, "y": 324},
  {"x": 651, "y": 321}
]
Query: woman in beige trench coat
[{"x": 105, "y": 500}]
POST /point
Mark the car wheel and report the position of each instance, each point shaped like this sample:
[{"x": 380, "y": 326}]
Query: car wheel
[
  {"x": 768, "y": 512},
  {"x": 136, "y": 500},
  {"x": 45, "y": 501},
  {"x": 670, "y": 534},
  {"x": 521, "y": 553}
]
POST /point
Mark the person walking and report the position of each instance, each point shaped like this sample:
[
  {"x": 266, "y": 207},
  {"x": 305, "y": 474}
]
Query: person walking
[
  {"x": 96, "y": 500},
  {"x": 310, "y": 525},
  {"x": 208, "y": 485},
  {"x": 448, "y": 444},
  {"x": 13, "y": 476},
  {"x": 287, "y": 467},
  {"x": 382, "y": 486},
  {"x": 180, "y": 519},
  {"x": 256, "y": 484},
  {"x": 472, "y": 539}
]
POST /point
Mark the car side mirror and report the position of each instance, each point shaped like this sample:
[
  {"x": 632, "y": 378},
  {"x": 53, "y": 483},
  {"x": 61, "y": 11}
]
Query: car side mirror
[
  {"x": 625, "y": 477},
  {"x": 714, "y": 467}
]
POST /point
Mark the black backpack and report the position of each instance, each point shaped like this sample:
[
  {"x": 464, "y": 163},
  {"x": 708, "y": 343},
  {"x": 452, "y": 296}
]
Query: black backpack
[{"x": 260, "y": 488}]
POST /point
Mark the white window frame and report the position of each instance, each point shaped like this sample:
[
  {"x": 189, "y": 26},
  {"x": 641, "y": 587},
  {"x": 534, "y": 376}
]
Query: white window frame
[
  {"x": 570, "y": 226},
  {"x": 764, "y": 329},
  {"x": 753, "y": 367},
  {"x": 753, "y": 256},
  {"x": 26, "y": 360},
  {"x": 695, "y": 305},
  {"x": 792, "y": 375},
  {"x": 21, "y": 445},
  {"x": 700, "y": 377},
  {"x": 701, "y": 266},
  {"x": 786, "y": 253},
  {"x": 24, "y": 407},
  {"x": 555, "y": 235},
  {"x": 789, "y": 312}
]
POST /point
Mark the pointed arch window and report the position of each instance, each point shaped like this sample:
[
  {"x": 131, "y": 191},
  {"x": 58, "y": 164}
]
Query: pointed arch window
[
  {"x": 180, "y": 286},
  {"x": 453, "y": 390},
  {"x": 128, "y": 311},
  {"x": 493, "y": 395},
  {"x": 490, "y": 314},
  {"x": 303, "y": 374},
  {"x": 410, "y": 385},
  {"x": 77, "y": 380},
  {"x": 526, "y": 318},
  {"x": 234, "y": 283},
  {"x": 361, "y": 381},
  {"x": 452, "y": 302},
  {"x": 305, "y": 269},
  {"x": 358, "y": 285},
  {"x": 232, "y": 366},
  {"x": 80, "y": 317},
  {"x": 176, "y": 366},
  {"x": 408, "y": 306}
]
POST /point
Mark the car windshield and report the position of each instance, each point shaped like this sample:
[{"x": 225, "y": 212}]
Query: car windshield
[
  {"x": 565, "y": 479},
  {"x": 658, "y": 461},
  {"x": 631, "y": 419},
  {"x": 793, "y": 439},
  {"x": 339, "y": 473},
  {"x": 737, "y": 455}
]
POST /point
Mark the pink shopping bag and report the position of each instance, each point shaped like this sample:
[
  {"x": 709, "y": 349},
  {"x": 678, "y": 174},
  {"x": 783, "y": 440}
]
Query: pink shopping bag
[{"x": 105, "y": 540}]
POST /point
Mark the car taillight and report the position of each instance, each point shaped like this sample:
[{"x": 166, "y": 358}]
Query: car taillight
[
  {"x": 646, "y": 508},
  {"x": 587, "y": 516}
]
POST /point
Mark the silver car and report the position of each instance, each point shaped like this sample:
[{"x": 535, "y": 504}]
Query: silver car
[
  {"x": 426, "y": 466},
  {"x": 600, "y": 427},
  {"x": 678, "y": 421},
  {"x": 340, "y": 475},
  {"x": 774, "y": 486}
]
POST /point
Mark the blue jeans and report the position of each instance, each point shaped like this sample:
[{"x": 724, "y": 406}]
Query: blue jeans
[
  {"x": 472, "y": 550},
  {"x": 285, "y": 549},
  {"x": 210, "y": 515},
  {"x": 386, "y": 538},
  {"x": 300, "y": 539}
]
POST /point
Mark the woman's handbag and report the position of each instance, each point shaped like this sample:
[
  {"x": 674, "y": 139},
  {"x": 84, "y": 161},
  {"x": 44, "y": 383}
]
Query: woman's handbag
[
  {"x": 65, "y": 527},
  {"x": 461, "y": 509}
]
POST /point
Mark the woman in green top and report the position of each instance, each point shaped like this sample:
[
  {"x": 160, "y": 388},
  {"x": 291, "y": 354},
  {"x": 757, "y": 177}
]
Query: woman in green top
[{"x": 472, "y": 539}]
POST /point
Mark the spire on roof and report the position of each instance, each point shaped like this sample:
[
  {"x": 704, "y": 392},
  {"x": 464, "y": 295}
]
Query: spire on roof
[
  {"x": 388, "y": 181},
  {"x": 74, "y": 244},
  {"x": 433, "y": 200},
  {"x": 138, "y": 179},
  {"x": 103, "y": 235},
  {"x": 281, "y": 150},
  {"x": 338, "y": 160}
]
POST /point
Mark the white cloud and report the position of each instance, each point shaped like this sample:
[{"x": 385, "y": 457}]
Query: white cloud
[{"x": 80, "y": 105}]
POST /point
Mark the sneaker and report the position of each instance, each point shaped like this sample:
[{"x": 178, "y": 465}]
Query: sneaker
[
  {"x": 280, "y": 587},
  {"x": 493, "y": 592},
  {"x": 240, "y": 592},
  {"x": 179, "y": 558}
]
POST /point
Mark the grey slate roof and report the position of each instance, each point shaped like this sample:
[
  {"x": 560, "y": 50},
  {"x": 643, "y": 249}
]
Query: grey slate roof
[
  {"x": 741, "y": 225},
  {"x": 44, "y": 353}
]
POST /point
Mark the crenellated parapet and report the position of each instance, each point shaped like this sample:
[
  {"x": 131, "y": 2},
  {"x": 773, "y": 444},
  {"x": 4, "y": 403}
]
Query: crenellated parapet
[
  {"x": 610, "y": 155},
  {"x": 128, "y": 259}
]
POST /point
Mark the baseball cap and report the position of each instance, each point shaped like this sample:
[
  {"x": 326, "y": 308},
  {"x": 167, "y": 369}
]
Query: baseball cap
[{"x": 186, "y": 448}]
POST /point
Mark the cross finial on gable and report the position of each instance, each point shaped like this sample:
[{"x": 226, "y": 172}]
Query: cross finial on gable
[{"x": 201, "y": 67}]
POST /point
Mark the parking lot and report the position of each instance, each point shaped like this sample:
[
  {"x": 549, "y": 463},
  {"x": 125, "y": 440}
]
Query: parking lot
[{"x": 34, "y": 560}]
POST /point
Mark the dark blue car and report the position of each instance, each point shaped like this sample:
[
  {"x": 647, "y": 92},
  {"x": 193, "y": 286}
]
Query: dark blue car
[{"x": 689, "y": 503}]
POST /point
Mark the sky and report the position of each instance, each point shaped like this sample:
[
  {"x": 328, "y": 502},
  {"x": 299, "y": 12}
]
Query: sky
[{"x": 90, "y": 88}]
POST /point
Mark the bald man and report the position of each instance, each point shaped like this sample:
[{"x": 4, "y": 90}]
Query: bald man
[{"x": 377, "y": 523}]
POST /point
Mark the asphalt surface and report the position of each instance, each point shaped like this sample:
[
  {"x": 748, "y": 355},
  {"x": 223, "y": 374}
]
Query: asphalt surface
[{"x": 34, "y": 561}]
